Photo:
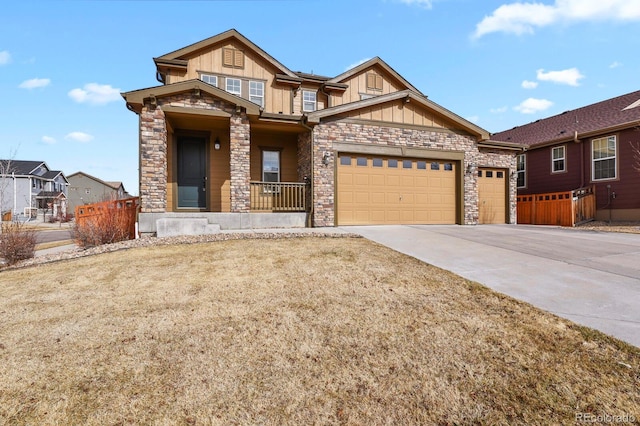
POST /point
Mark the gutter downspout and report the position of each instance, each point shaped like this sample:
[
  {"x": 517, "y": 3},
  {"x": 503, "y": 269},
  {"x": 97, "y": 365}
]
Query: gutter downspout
[{"x": 311, "y": 178}]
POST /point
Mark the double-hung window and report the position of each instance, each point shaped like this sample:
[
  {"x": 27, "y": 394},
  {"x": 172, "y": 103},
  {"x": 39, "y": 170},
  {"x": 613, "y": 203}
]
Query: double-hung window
[
  {"x": 558, "y": 163},
  {"x": 603, "y": 155},
  {"x": 308, "y": 101},
  {"x": 521, "y": 170},
  {"x": 270, "y": 166},
  {"x": 211, "y": 79},
  {"x": 233, "y": 86},
  {"x": 256, "y": 92}
]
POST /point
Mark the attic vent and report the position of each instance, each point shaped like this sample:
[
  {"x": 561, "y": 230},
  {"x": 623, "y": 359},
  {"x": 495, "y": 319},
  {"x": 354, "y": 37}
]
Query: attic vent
[
  {"x": 232, "y": 58},
  {"x": 633, "y": 105},
  {"x": 374, "y": 81}
]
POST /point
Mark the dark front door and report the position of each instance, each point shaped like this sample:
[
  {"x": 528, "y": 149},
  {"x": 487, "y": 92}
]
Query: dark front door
[{"x": 192, "y": 172}]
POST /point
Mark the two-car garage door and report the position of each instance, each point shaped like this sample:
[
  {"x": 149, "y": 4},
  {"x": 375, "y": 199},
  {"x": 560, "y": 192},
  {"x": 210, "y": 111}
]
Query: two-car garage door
[{"x": 389, "y": 190}]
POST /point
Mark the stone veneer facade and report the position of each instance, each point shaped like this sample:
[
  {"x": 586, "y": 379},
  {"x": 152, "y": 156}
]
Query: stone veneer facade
[
  {"x": 153, "y": 157},
  {"x": 153, "y": 150},
  {"x": 325, "y": 134}
]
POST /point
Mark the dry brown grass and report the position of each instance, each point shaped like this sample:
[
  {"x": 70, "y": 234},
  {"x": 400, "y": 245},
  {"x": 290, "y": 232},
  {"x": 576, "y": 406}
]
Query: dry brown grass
[{"x": 291, "y": 331}]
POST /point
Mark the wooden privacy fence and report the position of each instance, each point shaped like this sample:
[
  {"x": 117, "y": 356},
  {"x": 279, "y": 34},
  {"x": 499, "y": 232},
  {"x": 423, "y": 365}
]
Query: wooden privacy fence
[
  {"x": 278, "y": 196},
  {"x": 127, "y": 207},
  {"x": 568, "y": 208}
]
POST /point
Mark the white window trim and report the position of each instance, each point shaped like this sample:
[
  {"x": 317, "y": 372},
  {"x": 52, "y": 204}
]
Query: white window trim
[
  {"x": 226, "y": 85},
  {"x": 523, "y": 171},
  {"x": 563, "y": 158},
  {"x": 253, "y": 96},
  {"x": 210, "y": 77},
  {"x": 593, "y": 160},
  {"x": 306, "y": 102}
]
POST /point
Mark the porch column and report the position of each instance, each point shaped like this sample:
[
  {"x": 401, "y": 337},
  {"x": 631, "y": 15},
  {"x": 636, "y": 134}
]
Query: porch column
[
  {"x": 153, "y": 160},
  {"x": 240, "y": 146}
]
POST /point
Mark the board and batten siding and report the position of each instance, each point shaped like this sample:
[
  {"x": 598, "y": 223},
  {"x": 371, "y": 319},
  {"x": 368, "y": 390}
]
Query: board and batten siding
[
  {"x": 399, "y": 112},
  {"x": 358, "y": 85},
  {"x": 277, "y": 98}
]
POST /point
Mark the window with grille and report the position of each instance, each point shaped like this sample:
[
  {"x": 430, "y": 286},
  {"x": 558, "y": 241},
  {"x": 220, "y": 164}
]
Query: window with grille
[
  {"x": 603, "y": 156},
  {"x": 558, "y": 162},
  {"x": 308, "y": 101},
  {"x": 256, "y": 92}
]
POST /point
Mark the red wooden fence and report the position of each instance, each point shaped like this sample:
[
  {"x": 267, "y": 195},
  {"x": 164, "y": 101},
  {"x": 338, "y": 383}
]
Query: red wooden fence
[
  {"x": 129, "y": 207},
  {"x": 567, "y": 208}
]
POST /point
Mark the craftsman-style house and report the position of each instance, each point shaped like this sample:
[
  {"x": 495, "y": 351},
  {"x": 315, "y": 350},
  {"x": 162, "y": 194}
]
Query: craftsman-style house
[
  {"x": 232, "y": 138},
  {"x": 595, "y": 147}
]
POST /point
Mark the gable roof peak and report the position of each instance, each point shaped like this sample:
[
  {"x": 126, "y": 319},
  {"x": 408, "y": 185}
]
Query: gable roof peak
[
  {"x": 376, "y": 60},
  {"x": 231, "y": 33}
]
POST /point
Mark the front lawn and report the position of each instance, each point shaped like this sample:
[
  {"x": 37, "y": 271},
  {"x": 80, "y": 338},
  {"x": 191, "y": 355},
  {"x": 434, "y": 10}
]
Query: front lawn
[{"x": 291, "y": 331}]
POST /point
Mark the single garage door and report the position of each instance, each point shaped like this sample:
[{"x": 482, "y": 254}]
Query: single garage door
[
  {"x": 374, "y": 190},
  {"x": 492, "y": 195}
]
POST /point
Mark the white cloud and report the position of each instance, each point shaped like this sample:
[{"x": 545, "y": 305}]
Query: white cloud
[
  {"x": 474, "y": 119},
  {"x": 48, "y": 140},
  {"x": 498, "y": 110},
  {"x": 529, "y": 84},
  {"x": 35, "y": 83},
  {"x": 95, "y": 94},
  {"x": 532, "y": 105},
  {"x": 615, "y": 64},
  {"x": 569, "y": 76},
  {"x": 79, "y": 137},
  {"x": 523, "y": 18},
  {"x": 360, "y": 62},
  {"x": 5, "y": 57},
  {"x": 421, "y": 3}
]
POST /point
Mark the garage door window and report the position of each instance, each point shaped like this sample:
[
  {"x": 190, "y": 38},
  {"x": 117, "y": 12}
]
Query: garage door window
[
  {"x": 362, "y": 162},
  {"x": 377, "y": 162},
  {"x": 435, "y": 166},
  {"x": 422, "y": 165},
  {"x": 448, "y": 166},
  {"x": 345, "y": 161},
  {"x": 392, "y": 164},
  {"x": 407, "y": 164}
]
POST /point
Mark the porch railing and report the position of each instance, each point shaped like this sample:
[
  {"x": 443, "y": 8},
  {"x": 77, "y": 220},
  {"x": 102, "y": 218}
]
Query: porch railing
[{"x": 278, "y": 196}]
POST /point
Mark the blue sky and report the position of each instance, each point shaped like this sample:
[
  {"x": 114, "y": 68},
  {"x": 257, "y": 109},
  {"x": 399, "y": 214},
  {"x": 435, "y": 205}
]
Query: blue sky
[{"x": 496, "y": 63}]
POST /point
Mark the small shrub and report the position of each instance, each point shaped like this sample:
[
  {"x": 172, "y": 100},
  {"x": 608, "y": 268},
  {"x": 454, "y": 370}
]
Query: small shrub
[
  {"x": 17, "y": 242},
  {"x": 109, "y": 226}
]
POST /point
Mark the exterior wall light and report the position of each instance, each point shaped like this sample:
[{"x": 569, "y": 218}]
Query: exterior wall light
[
  {"x": 216, "y": 144},
  {"x": 325, "y": 158}
]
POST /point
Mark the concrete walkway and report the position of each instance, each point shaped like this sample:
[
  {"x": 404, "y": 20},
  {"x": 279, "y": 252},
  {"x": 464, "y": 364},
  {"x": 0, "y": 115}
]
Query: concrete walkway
[{"x": 591, "y": 278}]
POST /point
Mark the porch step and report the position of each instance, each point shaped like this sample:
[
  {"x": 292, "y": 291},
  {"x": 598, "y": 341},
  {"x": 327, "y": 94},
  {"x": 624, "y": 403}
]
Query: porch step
[{"x": 173, "y": 227}]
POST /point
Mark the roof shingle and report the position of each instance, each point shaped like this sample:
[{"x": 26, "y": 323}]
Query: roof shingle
[{"x": 601, "y": 116}]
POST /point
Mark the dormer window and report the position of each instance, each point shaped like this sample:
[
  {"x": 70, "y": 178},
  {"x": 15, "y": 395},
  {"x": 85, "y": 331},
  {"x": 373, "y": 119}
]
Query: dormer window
[
  {"x": 233, "y": 58},
  {"x": 374, "y": 81},
  {"x": 211, "y": 79}
]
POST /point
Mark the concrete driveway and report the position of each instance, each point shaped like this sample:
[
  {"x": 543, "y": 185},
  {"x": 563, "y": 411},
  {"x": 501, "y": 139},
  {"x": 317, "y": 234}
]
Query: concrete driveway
[{"x": 591, "y": 278}]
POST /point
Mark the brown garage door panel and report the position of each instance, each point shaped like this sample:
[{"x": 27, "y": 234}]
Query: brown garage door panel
[
  {"x": 492, "y": 195},
  {"x": 414, "y": 192}
]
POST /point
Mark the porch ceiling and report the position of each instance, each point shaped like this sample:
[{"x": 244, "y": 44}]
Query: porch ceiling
[{"x": 197, "y": 121}]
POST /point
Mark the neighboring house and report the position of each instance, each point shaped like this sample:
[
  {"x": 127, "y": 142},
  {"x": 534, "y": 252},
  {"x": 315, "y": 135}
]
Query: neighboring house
[
  {"x": 597, "y": 145},
  {"x": 87, "y": 189},
  {"x": 234, "y": 136},
  {"x": 29, "y": 187}
]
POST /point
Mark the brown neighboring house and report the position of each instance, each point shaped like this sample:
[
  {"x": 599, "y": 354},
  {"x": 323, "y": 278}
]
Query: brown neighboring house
[
  {"x": 593, "y": 145},
  {"x": 233, "y": 138}
]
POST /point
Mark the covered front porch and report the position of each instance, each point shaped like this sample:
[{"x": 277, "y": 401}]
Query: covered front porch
[{"x": 210, "y": 160}]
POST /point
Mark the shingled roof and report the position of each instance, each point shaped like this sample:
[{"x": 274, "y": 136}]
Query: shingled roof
[{"x": 610, "y": 115}]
